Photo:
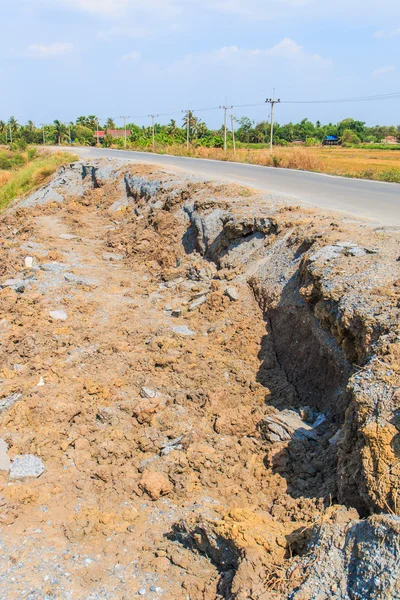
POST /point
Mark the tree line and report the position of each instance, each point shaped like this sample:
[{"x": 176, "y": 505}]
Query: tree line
[{"x": 247, "y": 132}]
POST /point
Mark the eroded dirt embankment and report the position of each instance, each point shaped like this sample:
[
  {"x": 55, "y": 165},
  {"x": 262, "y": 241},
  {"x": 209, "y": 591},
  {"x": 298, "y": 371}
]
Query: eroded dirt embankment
[{"x": 193, "y": 444}]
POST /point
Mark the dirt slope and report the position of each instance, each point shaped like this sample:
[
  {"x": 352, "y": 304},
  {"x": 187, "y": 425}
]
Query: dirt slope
[{"x": 191, "y": 442}]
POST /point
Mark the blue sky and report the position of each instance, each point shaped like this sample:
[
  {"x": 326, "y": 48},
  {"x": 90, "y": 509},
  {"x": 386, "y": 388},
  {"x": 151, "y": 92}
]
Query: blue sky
[{"x": 64, "y": 58}]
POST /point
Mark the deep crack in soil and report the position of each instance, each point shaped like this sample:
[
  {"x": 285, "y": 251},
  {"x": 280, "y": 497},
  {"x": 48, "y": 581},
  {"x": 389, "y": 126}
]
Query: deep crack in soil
[{"x": 189, "y": 439}]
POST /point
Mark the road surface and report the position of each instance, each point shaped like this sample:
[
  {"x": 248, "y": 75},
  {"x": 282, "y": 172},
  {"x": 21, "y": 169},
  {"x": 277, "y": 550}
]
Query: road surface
[{"x": 374, "y": 200}]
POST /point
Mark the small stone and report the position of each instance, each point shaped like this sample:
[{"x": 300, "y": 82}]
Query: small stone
[
  {"x": 26, "y": 465},
  {"x": 232, "y": 294},
  {"x": 146, "y": 392},
  {"x": 58, "y": 315},
  {"x": 28, "y": 262},
  {"x": 142, "y": 592},
  {"x": 9, "y": 401},
  {"x": 176, "y": 312},
  {"x": 41, "y": 382},
  {"x": 68, "y": 236},
  {"x": 5, "y": 461},
  {"x": 197, "y": 303},
  {"x": 183, "y": 330},
  {"x": 335, "y": 439},
  {"x": 18, "y": 285},
  {"x": 167, "y": 308}
]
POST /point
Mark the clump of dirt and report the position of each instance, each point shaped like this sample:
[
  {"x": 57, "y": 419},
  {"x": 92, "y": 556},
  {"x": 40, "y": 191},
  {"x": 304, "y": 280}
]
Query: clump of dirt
[{"x": 192, "y": 443}]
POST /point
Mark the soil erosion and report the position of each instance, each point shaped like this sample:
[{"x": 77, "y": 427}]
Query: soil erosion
[{"x": 199, "y": 394}]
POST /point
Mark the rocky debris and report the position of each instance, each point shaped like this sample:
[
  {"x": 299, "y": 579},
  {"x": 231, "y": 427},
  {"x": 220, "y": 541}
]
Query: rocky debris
[
  {"x": 155, "y": 484},
  {"x": 351, "y": 559},
  {"x": 18, "y": 285},
  {"x": 233, "y": 448},
  {"x": 9, "y": 401},
  {"x": 232, "y": 293},
  {"x": 141, "y": 188},
  {"x": 285, "y": 425},
  {"x": 5, "y": 461},
  {"x": 58, "y": 315},
  {"x": 26, "y": 466},
  {"x": 182, "y": 330},
  {"x": 76, "y": 279}
]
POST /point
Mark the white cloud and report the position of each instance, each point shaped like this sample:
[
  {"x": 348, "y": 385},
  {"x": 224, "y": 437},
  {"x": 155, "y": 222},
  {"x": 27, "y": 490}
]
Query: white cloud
[
  {"x": 132, "y": 57},
  {"x": 103, "y": 8},
  {"x": 49, "y": 51},
  {"x": 382, "y": 34},
  {"x": 123, "y": 32},
  {"x": 286, "y": 49},
  {"x": 385, "y": 70}
]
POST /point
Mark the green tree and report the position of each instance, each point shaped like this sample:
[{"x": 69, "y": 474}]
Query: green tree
[
  {"x": 110, "y": 124},
  {"x": 13, "y": 124},
  {"x": 59, "y": 129}
]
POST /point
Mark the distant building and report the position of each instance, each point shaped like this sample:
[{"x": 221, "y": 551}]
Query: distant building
[
  {"x": 390, "y": 139},
  {"x": 331, "y": 140},
  {"x": 115, "y": 133}
]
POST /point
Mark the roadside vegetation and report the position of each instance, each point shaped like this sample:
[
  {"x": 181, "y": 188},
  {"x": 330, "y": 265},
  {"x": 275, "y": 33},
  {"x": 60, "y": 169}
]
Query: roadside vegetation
[
  {"x": 24, "y": 171},
  {"x": 358, "y": 150}
]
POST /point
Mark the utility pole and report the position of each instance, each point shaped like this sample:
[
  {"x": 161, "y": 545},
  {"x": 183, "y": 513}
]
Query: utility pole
[
  {"x": 225, "y": 109},
  {"x": 187, "y": 127},
  {"x": 233, "y": 134},
  {"x": 11, "y": 135},
  {"x": 44, "y": 135},
  {"x": 69, "y": 134},
  {"x": 124, "y": 118},
  {"x": 272, "y": 102},
  {"x": 153, "y": 130}
]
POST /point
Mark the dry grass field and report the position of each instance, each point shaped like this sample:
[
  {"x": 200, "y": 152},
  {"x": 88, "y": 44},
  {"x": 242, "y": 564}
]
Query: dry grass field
[{"x": 382, "y": 165}]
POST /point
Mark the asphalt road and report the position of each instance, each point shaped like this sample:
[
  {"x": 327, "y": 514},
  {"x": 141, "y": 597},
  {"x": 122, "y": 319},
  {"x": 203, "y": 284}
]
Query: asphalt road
[{"x": 377, "y": 201}]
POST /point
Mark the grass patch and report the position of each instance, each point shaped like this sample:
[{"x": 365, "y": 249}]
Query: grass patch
[{"x": 32, "y": 174}]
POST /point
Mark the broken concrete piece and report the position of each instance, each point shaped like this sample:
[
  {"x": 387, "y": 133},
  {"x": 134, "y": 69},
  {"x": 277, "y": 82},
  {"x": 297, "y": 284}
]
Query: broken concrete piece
[
  {"x": 5, "y": 461},
  {"x": 183, "y": 330},
  {"x": 18, "y": 285},
  {"x": 285, "y": 425},
  {"x": 26, "y": 465},
  {"x": 28, "y": 262},
  {"x": 58, "y": 315},
  {"x": 232, "y": 293}
]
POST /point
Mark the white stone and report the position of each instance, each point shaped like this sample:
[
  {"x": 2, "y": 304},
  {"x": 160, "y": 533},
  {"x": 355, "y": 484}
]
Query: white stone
[
  {"x": 232, "y": 293},
  {"x": 5, "y": 461},
  {"x": 26, "y": 465},
  {"x": 146, "y": 392},
  {"x": 28, "y": 262},
  {"x": 58, "y": 315},
  {"x": 41, "y": 382}
]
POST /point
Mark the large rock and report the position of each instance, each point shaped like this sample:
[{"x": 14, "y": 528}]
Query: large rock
[{"x": 353, "y": 560}]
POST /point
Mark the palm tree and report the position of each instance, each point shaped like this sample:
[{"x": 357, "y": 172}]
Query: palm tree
[
  {"x": 13, "y": 124},
  {"x": 92, "y": 122},
  {"x": 31, "y": 125},
  {"x": 193, "y": 122},
  {"x": 110, "y": 124},
  {"x": 3, "y": 127},
  {"x": 202, "y": 129},
  {"x": 59, "y": 130},
  {"x": 172, "y": 127}
]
